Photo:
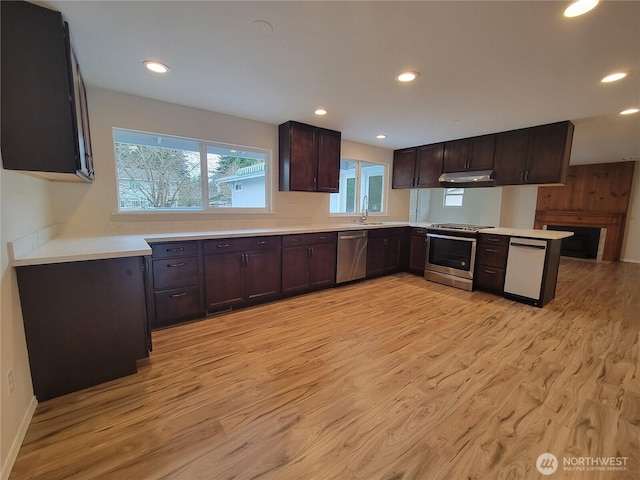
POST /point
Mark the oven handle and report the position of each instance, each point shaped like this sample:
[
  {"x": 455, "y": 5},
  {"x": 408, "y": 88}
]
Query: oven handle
[{"x": 451, "y": 237}]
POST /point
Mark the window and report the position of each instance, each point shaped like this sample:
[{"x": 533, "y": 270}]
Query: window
[
  {"x": 453, "y": 197},
  {"x": 359, "y": 181},
  {"x": 163, "y": 173}
]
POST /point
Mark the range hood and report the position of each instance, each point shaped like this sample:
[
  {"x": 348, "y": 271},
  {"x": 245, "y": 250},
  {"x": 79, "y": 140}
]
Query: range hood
[{"x": 479, "y": 178}]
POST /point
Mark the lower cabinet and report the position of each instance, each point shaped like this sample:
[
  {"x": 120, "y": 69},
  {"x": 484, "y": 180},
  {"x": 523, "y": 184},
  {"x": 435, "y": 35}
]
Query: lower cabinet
[
  {"x": 240, "y": 271},
  {"x": 308, "y": 261},
  {"x": 383, "y": 251},
  {"x": 491, "y": 262},
  {"x": 417, "y": 250},
  {"x": 85, "y": 322},
  {"x": 176, "y": 283}
]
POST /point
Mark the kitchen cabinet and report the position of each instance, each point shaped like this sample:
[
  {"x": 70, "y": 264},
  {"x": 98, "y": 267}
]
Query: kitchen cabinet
[
  {"x": 418, "y": 167},
  {"x": 383, "y": 251},
  {"x": 491, "y": 262},
  {"x": 536, "y": 155},
  {"x": 469, "y": 154},
  {"x": 239, "y": 271},
  {"x": 417, "y": 250},
  {"x": 85, "y": 322},
  {"x": 45, "y": 125},
  {"x": 309, "y": 158},
  {"x": 308, "y": 261},
  {"x": 176, "y": 281}
]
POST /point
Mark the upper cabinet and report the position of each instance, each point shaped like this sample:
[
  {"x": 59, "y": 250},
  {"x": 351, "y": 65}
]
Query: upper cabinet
[
  {"x": 45, "y": 127},
  {"x": 309, "y": 158},
  {"x": 469, "y": 154},
  {"x": 537, "y": 155},
  {"x": 418, "y": 167}
]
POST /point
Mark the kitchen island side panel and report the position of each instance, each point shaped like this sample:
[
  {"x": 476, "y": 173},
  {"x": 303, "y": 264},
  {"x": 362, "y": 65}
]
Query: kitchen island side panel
[{"x": 85, "y": 322}]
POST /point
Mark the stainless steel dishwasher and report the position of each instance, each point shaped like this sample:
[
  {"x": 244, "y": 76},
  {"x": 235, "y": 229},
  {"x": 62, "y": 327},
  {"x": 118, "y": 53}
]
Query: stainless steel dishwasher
[{"x": 352, "y": 256}]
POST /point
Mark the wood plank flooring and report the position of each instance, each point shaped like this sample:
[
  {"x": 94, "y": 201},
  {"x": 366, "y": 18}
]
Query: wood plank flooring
[{"x": 393, "y": 378}]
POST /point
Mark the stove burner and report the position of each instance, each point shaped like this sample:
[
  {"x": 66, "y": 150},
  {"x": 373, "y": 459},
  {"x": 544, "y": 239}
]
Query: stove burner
[{"x": 456, "y": 227}]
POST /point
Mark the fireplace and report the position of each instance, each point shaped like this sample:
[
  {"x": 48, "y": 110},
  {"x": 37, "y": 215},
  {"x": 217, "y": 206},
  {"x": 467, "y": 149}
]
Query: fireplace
[{"x": 583, "y": 244}]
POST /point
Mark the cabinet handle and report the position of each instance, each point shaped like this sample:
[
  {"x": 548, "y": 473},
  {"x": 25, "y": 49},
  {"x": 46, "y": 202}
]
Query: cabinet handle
[
  {"x": 243, "y": 259},
  {"x": 263, "y": 242},
  {"x": 223, "y": 245},
  {"x": 526, "y": 176},
  {"x": 181, "y": 264},
  {"x": 179, "y": 249},
  {"x": 310, "y": 252},
  {"x": 522, "y": 176},
  {"x": 295, "y": 240},
  {"x": 492, "y": 239},
  {"x": 416, "y": 180},
  {"x": 492, "y": 250},
  {"x": 490, "y": 272},
  {"x": 323, "y": 238},
  {"x": 175, "y": 295}
]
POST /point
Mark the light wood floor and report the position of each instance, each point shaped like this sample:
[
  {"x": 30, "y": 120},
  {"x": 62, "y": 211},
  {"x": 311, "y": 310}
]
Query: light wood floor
[{"x": 394, "y": 378}]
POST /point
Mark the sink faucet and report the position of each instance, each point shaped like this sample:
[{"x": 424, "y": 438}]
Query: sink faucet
[{"x": 364, "y": 212}]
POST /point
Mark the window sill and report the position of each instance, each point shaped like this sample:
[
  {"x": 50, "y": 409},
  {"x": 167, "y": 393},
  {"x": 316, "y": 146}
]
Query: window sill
[{"x": 186, "y": 215}]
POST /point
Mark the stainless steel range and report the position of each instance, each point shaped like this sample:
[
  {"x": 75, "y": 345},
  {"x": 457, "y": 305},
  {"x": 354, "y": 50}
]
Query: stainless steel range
[{"x": 451, "y": 254}]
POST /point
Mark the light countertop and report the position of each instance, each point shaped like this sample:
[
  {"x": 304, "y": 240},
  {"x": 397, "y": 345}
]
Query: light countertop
[{"x": 73, "y": 249}]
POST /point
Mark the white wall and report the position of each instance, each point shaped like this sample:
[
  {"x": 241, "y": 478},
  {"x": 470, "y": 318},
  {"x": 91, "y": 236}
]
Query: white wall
[
  {"x": 25, "y": 208},
  {"x": 518, "y": 207},
  {"x": 88, "y": 210}
]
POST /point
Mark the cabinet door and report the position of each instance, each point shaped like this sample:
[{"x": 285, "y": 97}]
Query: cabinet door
[
  {"x": 456, "y": 154},
  {"x": 262, "y": 272},
  {"x": 548, "y": 158},
  {"x": 322, "y": 266},
  {"x": 303, "y": 161},
  {"x": 375, "y": 256},
  {"x": 391, "y": 257},
  {"x": 417, "y": 254},
  {"x": 511, "y": 155},
  {"x": 328, "y": 161},
  {"x": 481, "y": 152},
  {"x": 295, "y": 268},
  {"x": 223, "y": 280},
  {"x": 404, "y": 168},
  {"x": 429, "y": 165}
]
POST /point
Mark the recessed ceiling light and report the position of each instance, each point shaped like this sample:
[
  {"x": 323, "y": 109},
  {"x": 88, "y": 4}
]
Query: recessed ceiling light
[
  {"x": 614, "y": 77},
  {"x": 156, "y": 67},
  {"x": 629, "y": 111},
  {"x": 381, "y": 137},
  {"x": 580, "y": 7},
  {"x": 320, "y": 111},
  {"x": 407, "y": 77}
]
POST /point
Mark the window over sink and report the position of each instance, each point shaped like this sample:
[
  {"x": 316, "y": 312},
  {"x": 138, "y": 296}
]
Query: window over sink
[
  {"x": 360, "y": 181},
  {"x": 160, "y": 173}
]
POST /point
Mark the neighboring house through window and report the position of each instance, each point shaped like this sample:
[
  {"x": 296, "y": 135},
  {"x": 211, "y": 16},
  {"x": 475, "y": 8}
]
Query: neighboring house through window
[
  {"x": 164, "y": 173},
  {"x": 360, "y": 180}
]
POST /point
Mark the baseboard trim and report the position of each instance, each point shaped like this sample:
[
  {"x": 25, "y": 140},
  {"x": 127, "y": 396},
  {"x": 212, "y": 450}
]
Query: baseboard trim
[{"x": 17, "y": 442}]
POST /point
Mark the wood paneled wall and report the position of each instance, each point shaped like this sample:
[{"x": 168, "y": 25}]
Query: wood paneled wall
[
  {"x": 595, "y": 196},
  {"x": 597, "y": 188}
]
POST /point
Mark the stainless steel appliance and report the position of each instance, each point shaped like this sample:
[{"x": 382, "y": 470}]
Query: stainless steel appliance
[
  {"x": 525, "y": 268},
  {"x": 451, "y": 254},
  {"x": 352, "y": 256}
]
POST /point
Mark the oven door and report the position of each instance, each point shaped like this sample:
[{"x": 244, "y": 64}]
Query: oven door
[{"x": 451, "y": 255}]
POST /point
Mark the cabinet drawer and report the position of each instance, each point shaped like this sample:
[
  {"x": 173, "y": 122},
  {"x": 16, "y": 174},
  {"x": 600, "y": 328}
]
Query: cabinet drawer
[
  {"x": 308, "y": 239},
  {"x": 418, "y": 232},
  {"x": 174, "y": 249},
  {"x": 493, "y": 256},
  {"x": 177, "y": 304},
  {"x": 230, "y": 245},
  {"x": 176, "y": 272},
  {"x": 491, "y": 239},
  {"x": 490, "y": 278},
  {"x": 384, "y": 232}
]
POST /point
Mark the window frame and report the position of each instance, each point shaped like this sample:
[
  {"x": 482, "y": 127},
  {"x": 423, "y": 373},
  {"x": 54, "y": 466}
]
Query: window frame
[
  {"x": 358, "y": 189},
  {"x": 449, "y": 193},
  {"x": 206, "y": 209}
]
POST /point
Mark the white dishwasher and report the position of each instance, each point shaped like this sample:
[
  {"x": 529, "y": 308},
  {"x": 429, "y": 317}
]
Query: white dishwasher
[{"x": 525, "y": 268}]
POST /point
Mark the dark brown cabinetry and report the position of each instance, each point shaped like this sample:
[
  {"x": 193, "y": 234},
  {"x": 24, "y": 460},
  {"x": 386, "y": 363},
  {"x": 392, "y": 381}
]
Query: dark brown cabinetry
[
  {"x": 491, "y": 262},
  {"x": 239, "y": 271},
  {"x": 383, "y": 251},
  {"x": 308, "y": 261},
  {"x": 418, "y": 167},
  {"x": 45, "y": 128},
  {"x": 85, "y": 322},
  {"x": 309, "y": 158},
  {"x": 537, "y": 155},
  {"x": 469, "y": 154},
  {"x": 176, "y": 273},
  {"x": 417, "y": 250}
]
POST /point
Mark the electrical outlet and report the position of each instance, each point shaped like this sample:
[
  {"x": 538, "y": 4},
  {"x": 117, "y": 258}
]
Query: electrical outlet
[{"x": 10, "y": 380}]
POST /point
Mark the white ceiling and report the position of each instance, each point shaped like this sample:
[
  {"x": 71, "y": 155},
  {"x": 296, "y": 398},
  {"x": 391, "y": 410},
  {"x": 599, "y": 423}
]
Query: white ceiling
[{"x": 484, "y": 66}]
